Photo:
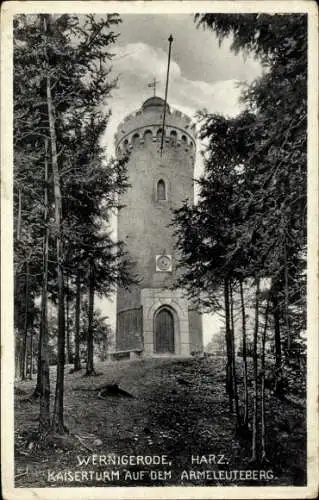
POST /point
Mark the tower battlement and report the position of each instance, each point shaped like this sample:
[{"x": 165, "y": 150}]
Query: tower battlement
[{"x": 145, "y": 125}]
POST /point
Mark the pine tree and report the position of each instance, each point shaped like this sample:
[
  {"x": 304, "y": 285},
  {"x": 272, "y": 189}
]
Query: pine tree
[
  {"x": 61, "y": 83},
  {"x": 250, "y": 221}
]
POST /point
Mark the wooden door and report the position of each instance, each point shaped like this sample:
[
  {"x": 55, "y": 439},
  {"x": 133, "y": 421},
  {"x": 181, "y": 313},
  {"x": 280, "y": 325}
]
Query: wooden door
[{"x": 164, "y": 332}]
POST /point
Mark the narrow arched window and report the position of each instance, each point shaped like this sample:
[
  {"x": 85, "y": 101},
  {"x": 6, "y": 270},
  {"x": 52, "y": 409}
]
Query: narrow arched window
[
  {"x": 173, "y": 136},
  {"x": 148, "y": 136},
  {"x": 135, "y": 139},
  {"x": 159, "y": 134},
  {"x": 161, "y": 190}
]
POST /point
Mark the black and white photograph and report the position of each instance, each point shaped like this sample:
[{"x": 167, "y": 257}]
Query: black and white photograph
[{"x": 159, "y": 236}]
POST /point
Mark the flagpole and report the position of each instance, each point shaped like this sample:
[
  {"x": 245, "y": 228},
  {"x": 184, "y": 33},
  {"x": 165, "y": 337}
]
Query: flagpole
[{"x": 166, "y": 89}]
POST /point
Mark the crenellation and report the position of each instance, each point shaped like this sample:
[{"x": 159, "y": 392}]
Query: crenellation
[{"x": 150, "y": 118}]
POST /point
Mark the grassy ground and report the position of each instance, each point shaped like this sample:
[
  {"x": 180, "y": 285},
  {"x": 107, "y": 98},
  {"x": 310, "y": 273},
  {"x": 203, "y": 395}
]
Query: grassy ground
[{"x": 179, "y": 409}]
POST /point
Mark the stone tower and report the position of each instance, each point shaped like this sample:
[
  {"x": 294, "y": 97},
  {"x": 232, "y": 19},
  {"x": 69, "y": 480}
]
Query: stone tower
[{"x": 152, "y": 316}]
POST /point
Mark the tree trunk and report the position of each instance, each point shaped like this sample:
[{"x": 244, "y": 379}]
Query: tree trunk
[
  {"x": 278, "y": 353},
  {"x": 17, "y": 351},
  {"x": 31, "y": 354},
  {"x": 286, "y": 289},
  {"x": 255, "y": 379},
  {"x": 37, "y": 389},
  {"x": 68, "y": 343},
  {"x": 25, "y": 357},
  {"x": 77, "y": 361},
  {"x": 19, "y": 214},
  {"x": 234, "y": 375},
  {"x": 229, "y": 383},
  {"x": 58, "y": 417},
  {"x": 43, "y": 377},
  {"x": 18, "y": 344},
  {"x": 21, "y": 355},
  {"x": 244, "y": 339},
  {"x": 262, "y": 396},
  {"x": 25, "y": 331},
  {"x": 90, "y": 363}
]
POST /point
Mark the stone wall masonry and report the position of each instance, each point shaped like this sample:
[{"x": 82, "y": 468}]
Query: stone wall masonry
[
  {"x": 143, "y": 222},
  {"x": 195, "y": 330}
]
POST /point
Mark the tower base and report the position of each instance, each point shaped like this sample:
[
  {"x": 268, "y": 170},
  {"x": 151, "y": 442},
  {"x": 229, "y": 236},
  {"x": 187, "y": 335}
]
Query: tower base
[{"x": 164, "y": 324}]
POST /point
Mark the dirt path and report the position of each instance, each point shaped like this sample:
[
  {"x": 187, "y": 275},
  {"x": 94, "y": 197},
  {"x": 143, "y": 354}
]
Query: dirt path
[{"x": 179, "y": 411}]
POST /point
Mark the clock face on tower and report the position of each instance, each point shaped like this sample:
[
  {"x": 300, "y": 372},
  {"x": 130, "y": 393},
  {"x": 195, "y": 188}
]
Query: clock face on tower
[{"x": 164, "y": 263}]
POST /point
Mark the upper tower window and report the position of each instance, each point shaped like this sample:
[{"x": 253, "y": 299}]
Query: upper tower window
[
  {"x": 159, "y": 133},
  {"x": 161, "y": 190},
  {"x": 184, "y": 139},
  {"x": 148, "y": 136},
  {"x": 173, "y": 136},
  {"x": 135, "y": 139}
]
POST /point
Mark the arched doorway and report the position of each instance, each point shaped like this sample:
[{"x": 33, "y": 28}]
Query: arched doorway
[{"x": 164, "y": 332}]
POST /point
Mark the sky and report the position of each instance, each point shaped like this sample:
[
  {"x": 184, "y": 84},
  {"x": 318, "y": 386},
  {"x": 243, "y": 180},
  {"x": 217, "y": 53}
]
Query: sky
[{"x": 203, "y": 75}]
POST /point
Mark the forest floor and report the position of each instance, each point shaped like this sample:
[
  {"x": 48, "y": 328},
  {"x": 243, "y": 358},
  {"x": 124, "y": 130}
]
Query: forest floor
[{"x": 179, "y": 409}]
